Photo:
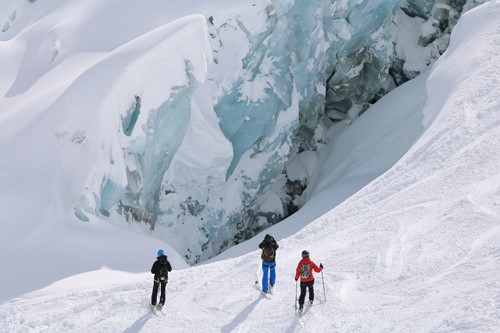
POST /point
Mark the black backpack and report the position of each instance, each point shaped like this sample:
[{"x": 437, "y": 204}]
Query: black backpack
[
  {"x": 268, "y": 253},
  {"x": 163, "y": 272}
]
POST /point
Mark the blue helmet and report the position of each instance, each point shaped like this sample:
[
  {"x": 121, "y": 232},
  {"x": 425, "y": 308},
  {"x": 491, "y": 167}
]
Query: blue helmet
[{"x": 160, "y": 253}]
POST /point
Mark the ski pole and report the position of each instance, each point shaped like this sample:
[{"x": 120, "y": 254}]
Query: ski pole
[{"x": 323, "y": 279}]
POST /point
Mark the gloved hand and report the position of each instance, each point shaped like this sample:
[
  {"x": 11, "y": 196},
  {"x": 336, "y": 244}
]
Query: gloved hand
[
  {"x": 321, "y": 265},
  {"x": 296, "y": 279}
]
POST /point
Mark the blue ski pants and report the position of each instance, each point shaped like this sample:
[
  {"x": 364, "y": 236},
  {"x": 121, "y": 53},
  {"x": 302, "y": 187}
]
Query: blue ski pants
[{"x": 266, "y": 267}]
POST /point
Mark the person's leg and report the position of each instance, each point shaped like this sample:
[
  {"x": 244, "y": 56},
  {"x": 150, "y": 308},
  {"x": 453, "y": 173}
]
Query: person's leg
[
  {"x": 265, "y": 276},
  {"x": 162, "y": 293},
  {"x": 302, "y": 296},
  {"x": 311, "y": 291},
  {"x": 154, "y": 293},
  {"x": 273, "y": 273}
]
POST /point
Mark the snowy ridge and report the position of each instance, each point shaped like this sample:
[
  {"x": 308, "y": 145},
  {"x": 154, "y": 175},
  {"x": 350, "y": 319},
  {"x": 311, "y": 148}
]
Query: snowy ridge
[
  {"x": 417, "y": 250},
  {"x": 201, "y": 123}
]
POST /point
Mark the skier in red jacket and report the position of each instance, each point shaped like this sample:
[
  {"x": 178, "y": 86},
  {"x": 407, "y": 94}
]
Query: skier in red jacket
[{"x": 305, "y": 272}]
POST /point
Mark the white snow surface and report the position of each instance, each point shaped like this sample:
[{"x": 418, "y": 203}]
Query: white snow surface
[{"x": 416, "y": 250}]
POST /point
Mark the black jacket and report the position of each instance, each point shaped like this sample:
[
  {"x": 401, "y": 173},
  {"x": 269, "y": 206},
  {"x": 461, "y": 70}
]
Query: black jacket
[
  {"x": 158, "y": 264},
  {"x": 269, "y": 247}
]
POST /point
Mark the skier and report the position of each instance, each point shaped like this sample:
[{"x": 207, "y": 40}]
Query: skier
[
  {"x": 160, "y": 269},
  {"x": 268, "y": 256},
  {"x": 304, "y": 271}
]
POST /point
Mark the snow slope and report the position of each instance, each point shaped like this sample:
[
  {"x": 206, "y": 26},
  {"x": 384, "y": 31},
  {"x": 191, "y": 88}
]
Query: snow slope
[{"x": 417, "y": 250}]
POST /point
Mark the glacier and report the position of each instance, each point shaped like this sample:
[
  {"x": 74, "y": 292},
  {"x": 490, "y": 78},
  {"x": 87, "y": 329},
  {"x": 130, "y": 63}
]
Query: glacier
[{"x": 208, "y": 125}]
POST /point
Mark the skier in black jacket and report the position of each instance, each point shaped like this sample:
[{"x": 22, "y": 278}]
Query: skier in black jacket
[
  {"x": 268, "y": 256},
  {"x": 160, "y": 269}
]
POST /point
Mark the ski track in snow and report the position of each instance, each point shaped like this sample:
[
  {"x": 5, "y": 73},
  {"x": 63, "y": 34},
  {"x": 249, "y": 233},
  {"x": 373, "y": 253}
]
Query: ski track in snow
[{"x": 383, "y": 280}]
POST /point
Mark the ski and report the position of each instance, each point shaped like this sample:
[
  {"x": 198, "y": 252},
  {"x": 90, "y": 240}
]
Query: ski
[
  {"x": 304, "y": 310},
  {"x": 156, "y": 309},
  {"x": 160, "y": 309},
  {"x": 300, "y": 312},
  {"x": 266, "y": 295}
]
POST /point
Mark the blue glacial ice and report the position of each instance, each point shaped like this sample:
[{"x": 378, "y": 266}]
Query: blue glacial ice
[{"x": 206, "y": 166}]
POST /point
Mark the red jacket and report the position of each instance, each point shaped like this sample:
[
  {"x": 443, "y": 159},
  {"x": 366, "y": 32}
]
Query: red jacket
[{"x": 312, "y": 267}]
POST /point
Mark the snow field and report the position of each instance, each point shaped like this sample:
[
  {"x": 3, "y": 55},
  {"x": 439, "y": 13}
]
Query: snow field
[{"x": 416, "y": 250}]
